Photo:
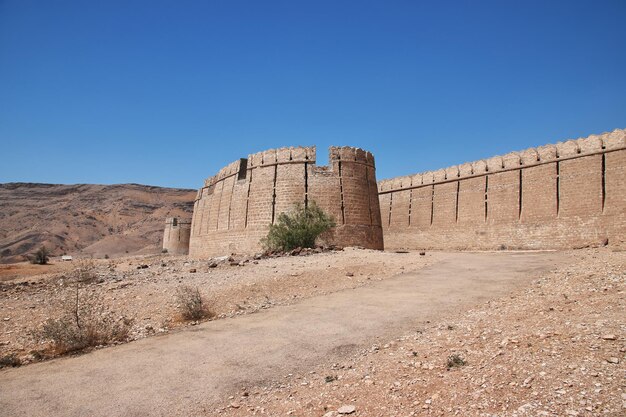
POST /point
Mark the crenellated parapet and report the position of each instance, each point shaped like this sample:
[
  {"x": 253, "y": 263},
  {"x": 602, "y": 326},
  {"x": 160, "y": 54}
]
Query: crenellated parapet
[
  {"x": 576, "y": 148},
  {"x": 350, "y": 154},
  {"x": 562, "y": 195}
]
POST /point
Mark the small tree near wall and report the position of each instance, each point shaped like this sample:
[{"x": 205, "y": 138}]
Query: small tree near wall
[{"x": 298, "y": 228}]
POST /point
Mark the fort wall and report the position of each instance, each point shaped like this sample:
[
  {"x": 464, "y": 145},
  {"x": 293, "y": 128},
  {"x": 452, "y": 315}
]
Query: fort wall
[
  {"x": 234, "y": 208},
  {"x": 176, "y": 236},
  {"x": 566, "y": 195}
]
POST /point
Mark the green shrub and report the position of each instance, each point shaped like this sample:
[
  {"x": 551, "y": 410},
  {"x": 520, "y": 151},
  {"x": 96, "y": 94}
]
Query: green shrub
[{"x": 298, "y": 228}]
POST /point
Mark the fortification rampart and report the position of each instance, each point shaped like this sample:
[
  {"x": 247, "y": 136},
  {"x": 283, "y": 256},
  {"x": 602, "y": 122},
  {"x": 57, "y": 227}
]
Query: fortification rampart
[
  {"x": 565, "y": 195},
  {"x": 176, "y": 236},
  {"x": 234, "y": 208}
]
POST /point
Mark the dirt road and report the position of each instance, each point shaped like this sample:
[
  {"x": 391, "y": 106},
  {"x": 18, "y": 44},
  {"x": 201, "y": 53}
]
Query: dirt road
[{"x": 186, "y": 372}]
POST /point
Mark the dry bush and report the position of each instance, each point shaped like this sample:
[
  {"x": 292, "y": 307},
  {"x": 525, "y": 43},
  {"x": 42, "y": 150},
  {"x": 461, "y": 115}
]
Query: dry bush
[
  {"x": 85, "y": 272},
  {"x": 84, "y": 321},
  {"x": 455, "y": 360},
  {"x": 10, "y": 360},
  {"x": 191, "y": 304}
]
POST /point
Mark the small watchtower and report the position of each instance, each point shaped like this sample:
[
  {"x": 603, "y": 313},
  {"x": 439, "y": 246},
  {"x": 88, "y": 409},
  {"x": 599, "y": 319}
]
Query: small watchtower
[{"x": 176, "y": 236}]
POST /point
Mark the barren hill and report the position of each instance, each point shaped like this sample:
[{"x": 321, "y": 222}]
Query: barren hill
[{"x": 86, "y": 218}]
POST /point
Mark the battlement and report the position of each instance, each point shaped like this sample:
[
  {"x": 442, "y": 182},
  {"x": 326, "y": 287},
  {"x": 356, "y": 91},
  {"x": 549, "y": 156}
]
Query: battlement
[
  {"x": 569, "y": 149},
  {"x": 350, "y": 154},
  {"x": 562, "y": 195},
  {"x": 289, "y": 155},
  {"x": 177, "y": 222}
]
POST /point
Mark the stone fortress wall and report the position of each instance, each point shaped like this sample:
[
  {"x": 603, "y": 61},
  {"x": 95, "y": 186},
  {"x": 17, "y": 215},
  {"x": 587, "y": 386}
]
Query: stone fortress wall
[
  {"x": 234, "y": 208},
  {"x": 176, "y": 235},
  {"x": 565, "y": 195}
]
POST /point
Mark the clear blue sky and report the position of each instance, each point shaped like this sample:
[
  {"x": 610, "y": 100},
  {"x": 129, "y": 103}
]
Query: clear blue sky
[{"x": 167, "y": 92}]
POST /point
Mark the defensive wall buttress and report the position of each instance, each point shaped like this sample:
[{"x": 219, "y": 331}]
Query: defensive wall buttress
[
  {"x": 566, "y": 195},
  {"x": 234, "y": 208}
]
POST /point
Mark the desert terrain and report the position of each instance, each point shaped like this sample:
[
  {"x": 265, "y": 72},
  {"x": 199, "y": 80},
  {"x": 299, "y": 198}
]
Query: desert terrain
[
  {"x": 86, "y": 219},
  {"x": 353, "y": 331}
]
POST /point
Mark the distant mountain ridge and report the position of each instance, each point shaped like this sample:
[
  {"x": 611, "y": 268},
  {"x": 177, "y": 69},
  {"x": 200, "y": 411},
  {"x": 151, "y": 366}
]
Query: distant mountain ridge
[{"x": 86, "y": 219}]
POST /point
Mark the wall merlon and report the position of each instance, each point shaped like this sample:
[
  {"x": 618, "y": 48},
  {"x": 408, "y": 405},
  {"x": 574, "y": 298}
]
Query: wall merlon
[
  {"x": 269, "y": 157},
  {"x": 479, "y": 167},
  {"x": 495, "y": 164},
  {"x": 283, "y": 155},
  {"x": 417, "y": 179},
  {"x": 530, "y": 156},
  {"x": 511, "y": 160},
  {"x": 569, "y": 148},
  {"x": 452, "y": 172},
  {"x": 591, "y": 144},
  {"x": 615, "y": 139},
  {"x": 547, "y": 153}
]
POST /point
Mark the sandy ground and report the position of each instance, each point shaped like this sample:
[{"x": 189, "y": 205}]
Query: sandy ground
[
  {"x": 31, "y": 294},
  {"x": 539, "y": 335},
  {"x": 554, "y": 348},
  {"x": 189, "y": 371}
]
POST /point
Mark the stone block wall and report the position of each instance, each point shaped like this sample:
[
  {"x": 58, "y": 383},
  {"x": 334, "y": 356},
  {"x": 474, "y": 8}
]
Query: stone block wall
[
  {"x": 234, "y": 208},
  {"x": 176, "y": 236},
  {"x": 558, "y": 196}
]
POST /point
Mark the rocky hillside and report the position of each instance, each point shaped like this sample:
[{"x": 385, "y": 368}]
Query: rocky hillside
[{"x": 86, "y": 219}]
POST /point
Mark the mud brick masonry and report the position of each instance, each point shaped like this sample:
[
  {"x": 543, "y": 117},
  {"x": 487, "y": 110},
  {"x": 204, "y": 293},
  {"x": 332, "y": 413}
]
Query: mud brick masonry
[
  {"x": 176, "y": 236},
  {"x": 566, "y": 195},
  {"x": 233, "y": 210},
  {"x": 556, "y": 196}
]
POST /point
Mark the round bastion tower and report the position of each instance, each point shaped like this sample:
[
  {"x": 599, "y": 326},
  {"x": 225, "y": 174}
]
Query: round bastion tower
[
  {"x": 176, "y": 236},
  {"x": 234, "y": 208}
]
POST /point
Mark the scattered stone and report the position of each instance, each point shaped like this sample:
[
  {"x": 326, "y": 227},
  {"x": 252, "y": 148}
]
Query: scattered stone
[
  {"x": 609, "y": 337},
  {"x": 192, "y": 271},
  {"x": 346, "y": 409},
  {"x": 613, "y": 360},
  {"x": 213, "y": 264},
  {"x": 422, "y": 253},
  {"x": 349, "y": 274}
]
